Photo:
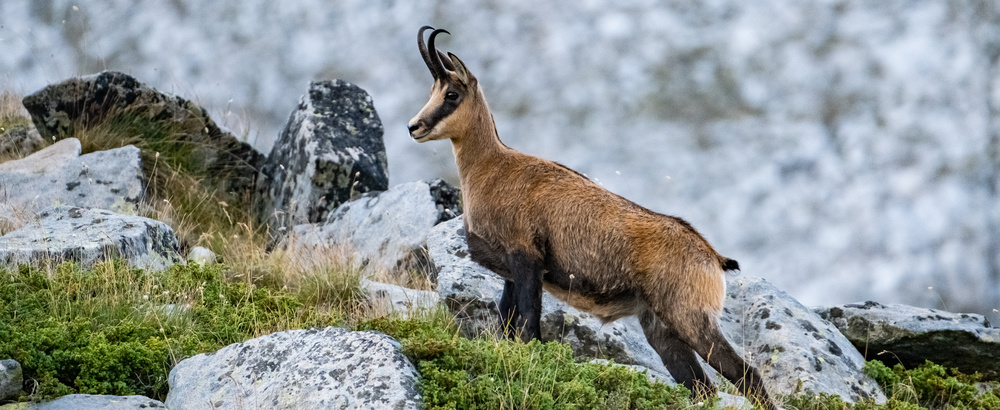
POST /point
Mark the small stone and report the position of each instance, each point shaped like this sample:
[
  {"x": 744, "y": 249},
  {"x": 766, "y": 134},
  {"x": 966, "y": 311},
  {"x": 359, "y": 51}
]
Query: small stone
[{"x": 201, "y": 256}]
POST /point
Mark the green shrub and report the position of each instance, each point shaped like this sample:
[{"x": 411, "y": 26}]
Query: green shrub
[
  {"x": 933, "y": 386},
  {"x": 116, "y": 330}
]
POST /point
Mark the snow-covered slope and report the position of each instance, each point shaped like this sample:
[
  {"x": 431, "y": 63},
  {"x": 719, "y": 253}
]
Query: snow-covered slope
[{"x": 845, "y": 150}]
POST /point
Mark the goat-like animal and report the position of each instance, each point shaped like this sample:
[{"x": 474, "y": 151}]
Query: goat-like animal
[{"x": 541, "y": 225}]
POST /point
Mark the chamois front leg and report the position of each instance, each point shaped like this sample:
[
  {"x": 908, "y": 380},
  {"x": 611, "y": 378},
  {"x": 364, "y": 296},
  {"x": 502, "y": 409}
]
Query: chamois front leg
[
  {"x": 509, "y": 316},
  {"x": 526, "y": 286}
]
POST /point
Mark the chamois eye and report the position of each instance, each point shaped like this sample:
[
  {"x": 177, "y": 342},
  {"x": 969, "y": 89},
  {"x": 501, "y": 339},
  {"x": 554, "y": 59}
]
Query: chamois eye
[{"x": 451, "y": 96}]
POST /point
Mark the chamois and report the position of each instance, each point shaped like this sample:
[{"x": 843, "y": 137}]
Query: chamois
[{"x": 540, "y": 225}]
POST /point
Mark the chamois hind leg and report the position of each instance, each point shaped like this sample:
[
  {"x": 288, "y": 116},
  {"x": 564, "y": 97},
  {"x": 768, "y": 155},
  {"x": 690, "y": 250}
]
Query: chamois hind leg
[
  {"x": 509, "y": 315},
  {"x": 526, "y": 273},
  {"x": 676, "y": 355},
  {"x": 700, "y": 330}
]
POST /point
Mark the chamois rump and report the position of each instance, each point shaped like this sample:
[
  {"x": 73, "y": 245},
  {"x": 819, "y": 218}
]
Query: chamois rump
[{"x": 541, "y": 225}]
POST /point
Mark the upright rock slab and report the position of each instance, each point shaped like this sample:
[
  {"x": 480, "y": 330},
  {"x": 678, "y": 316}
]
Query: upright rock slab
[
  {"x": 66, "y": 233},
  {"x": 912, "y": 335},
  {"x": 387, "y": 230},
  {"x": 329, "y": 368},
  {"x": 472, "y": 293},
  {"x": 794, "y": 349},
  {"x": 83, "y": 102},
  {"x": 59, "y": 175},
  {"x": 329, "y": 152}
]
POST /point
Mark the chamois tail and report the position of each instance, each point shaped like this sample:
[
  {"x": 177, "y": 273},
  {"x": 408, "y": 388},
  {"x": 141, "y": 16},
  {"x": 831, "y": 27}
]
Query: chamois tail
[{"x": 729, "y": 264}]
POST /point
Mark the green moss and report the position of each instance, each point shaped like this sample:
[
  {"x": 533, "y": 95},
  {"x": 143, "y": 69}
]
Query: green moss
[
  {"x": 107, "y": 330},
  {"x": 459, "y": 373}
]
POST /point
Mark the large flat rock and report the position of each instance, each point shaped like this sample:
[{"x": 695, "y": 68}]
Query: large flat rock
[
  {"x": 910, "y": 335},
  {"x": 59, "y": 175},
  {"x": 97, "y": 402},
  {"x": 329, "y": 368},
  {"x": 67, "y": 233},
  {"x": 386, "y": 230}
]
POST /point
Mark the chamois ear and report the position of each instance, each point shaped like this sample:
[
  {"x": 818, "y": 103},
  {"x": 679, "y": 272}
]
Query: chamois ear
[
  {"x": 446, "y": 62},
  {"x": 463, "y": 73}
]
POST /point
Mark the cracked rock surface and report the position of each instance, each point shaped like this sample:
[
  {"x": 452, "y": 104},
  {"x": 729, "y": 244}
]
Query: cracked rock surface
[
  {"x": 329, "y": 152},
  {"x": 330, "y": 368},
  {"x": 792, "y": 347},
  {"x": 68, "y": 233}
]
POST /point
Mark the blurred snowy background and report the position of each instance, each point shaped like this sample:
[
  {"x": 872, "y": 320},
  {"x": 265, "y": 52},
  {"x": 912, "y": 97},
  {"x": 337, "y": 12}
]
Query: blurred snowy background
[{"x": 845, "y": 150}]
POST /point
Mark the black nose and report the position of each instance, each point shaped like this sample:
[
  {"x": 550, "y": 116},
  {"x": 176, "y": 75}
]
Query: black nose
[{"x": 413, "y": 127}]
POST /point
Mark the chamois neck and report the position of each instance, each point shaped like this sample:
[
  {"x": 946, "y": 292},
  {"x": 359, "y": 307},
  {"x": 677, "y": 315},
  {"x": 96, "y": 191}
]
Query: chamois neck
[{"x": 480, "y": 144}]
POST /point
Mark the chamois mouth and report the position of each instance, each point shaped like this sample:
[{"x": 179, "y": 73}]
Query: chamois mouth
[{"x": 419, "y": 133}]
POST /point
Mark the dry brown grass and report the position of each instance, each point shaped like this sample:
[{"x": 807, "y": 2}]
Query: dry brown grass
[{"x": 10, "y": 106}]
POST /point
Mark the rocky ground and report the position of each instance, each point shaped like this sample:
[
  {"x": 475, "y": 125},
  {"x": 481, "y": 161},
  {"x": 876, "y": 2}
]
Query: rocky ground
[{"x": 325, "y": 185}]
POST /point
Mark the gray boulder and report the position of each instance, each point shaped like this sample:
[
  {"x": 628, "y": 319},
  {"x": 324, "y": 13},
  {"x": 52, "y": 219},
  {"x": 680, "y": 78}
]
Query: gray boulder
[
  {"x": 386, "y": 230},
  {"x": 83, "y": 102},
  {"x": 472, "y": 293},
  {"x": 299, "y": 369},
  {"x": 59, "y": 175},
  {"x": 98, "y": 402},
  {"x": 67, "y": 233},
  {"x": 329, "y": 152},
  {"x": 794, "y": 349},
  {"x": 912, "y": 335},
  {"x": 386, "y": 298},
  {"x": 11, "y": 378}
]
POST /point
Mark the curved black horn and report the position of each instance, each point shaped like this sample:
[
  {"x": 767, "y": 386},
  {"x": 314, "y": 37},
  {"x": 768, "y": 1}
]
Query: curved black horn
[
  {"x": 423, "y": 49},
  {"x": 432, "y": 58}
]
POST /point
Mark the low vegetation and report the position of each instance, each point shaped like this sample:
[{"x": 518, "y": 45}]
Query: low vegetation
[
  {"x": 111, "y": 329},
  {"x": 490, "y": 373}
]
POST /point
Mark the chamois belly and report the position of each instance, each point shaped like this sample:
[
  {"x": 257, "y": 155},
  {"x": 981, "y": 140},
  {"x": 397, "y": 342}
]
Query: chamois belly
[{"x": 605, "y": 304}]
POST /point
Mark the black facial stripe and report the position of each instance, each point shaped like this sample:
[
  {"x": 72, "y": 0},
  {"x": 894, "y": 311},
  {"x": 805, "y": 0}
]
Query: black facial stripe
[{"x": 442, "y": 111}]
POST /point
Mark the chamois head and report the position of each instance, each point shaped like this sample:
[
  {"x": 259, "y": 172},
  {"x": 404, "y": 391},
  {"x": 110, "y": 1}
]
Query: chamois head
[{"x": 455, "y": 95}]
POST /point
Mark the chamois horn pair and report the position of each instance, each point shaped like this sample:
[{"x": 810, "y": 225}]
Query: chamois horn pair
[{"x": 436, "y": 61}]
